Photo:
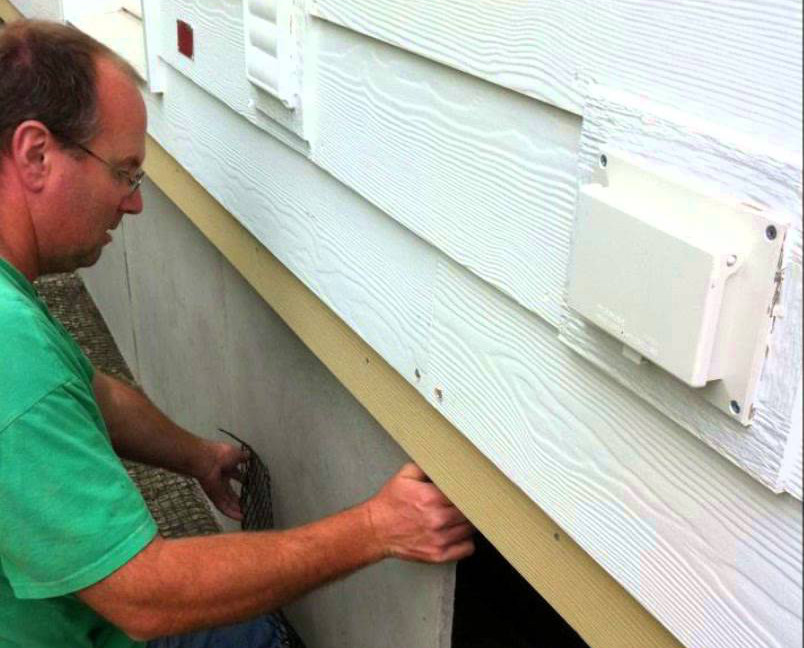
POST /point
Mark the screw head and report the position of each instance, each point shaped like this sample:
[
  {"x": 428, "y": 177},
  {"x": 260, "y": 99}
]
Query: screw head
[
  {"x": 604, "y": 161},
  {"x": 735, "y": 407},
  {"x": 439, "y": 393},
  {"x": 770, "y": 232},
  {"x": 731, "y": 260},
  {"x": 418, "y": 374}
]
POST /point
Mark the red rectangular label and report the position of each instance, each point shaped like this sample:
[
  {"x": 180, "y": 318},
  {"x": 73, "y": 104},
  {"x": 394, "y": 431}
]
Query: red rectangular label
[{"x": 185, "y": 38}]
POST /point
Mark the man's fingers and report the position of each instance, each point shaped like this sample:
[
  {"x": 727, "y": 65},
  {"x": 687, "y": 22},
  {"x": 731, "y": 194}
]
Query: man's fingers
[
  {"x": 458, "y": 551},
  {"x": 458, "y": 533},
  {"x": 447, "y": 517},
  {"x": 231, "y": 506},
  {"x": 235, "y": 474}
]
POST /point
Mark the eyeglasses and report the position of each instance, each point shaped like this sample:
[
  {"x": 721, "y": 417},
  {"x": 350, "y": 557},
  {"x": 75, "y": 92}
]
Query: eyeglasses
[{"x": 133, "y": 181}]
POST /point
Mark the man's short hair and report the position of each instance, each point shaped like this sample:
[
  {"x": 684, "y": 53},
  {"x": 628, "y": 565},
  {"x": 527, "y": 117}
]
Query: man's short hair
[{"x": 48, "y": 74}]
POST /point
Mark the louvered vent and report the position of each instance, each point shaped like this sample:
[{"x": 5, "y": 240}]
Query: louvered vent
[{"x": 270, "y": 55}]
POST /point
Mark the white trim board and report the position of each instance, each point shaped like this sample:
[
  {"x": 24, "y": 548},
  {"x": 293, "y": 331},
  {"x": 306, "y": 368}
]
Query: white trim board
[{"x": 120, "y": 31}]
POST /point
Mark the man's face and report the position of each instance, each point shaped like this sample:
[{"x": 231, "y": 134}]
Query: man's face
[{"x": 86, "y": 199}]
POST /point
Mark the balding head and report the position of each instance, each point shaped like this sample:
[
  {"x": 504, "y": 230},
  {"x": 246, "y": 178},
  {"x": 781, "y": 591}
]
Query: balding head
[
  {"x": 72, "y": 141},
  {"x": 48, "y": 73}
]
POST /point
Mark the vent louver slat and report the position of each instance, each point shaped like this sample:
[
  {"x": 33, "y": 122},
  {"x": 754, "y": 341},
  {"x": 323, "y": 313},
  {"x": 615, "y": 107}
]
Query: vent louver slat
[{"x": 270, "y": 57}]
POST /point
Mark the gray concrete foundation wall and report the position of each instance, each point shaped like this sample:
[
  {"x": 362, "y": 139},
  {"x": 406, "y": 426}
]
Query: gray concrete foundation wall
[{"x": 211, "y": 353}]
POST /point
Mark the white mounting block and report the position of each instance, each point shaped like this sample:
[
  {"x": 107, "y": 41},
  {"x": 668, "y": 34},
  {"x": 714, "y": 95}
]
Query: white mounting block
[
  {"x": 685, "y": 280},
  {"x": 270, "y": 48}
]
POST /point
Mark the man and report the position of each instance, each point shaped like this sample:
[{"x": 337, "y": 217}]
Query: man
[{"x": 80, "y": 562}]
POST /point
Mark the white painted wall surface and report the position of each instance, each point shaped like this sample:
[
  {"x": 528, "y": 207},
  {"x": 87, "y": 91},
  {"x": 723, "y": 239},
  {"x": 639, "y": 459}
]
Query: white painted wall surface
[{"x": 431, "y": 207}]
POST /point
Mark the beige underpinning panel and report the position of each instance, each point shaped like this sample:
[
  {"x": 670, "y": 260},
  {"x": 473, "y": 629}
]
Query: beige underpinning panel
[{"x": 602, "y": 612}]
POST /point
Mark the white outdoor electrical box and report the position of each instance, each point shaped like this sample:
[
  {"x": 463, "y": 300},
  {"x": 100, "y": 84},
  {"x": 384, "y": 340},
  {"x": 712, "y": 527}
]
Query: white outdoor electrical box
[{"x": 684, "y": 280}]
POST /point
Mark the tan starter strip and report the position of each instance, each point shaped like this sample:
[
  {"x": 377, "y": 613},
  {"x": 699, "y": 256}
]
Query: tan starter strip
[{"x": 588, "y": 598}]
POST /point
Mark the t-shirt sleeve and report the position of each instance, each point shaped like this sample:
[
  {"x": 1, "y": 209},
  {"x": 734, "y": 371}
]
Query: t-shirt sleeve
[{"x": 69, "y": 513}]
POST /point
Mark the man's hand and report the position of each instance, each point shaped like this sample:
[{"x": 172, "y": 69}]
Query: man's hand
[
  {"x": 176, "y": 586},
  {"x": 413, "y": 520},
  {"x": 221, "y": 466}
]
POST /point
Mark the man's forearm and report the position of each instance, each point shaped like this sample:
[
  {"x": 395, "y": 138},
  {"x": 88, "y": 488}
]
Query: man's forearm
[
  {"x": 175, "y": 586},
  {"x": 140, "y": 432}
]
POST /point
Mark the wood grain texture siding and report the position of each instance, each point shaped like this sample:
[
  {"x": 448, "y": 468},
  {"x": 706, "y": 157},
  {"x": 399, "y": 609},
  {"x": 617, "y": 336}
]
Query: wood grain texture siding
[
  {"x": 720, "y": 162},
  {"x": 604, "y": 614},
  {"x": 735, "y": 63},
  {"x": 328, "y": 237},
  {"x": 557, "y": 428},
  {"x": 692, "y": 517},
  {"x": 698, "y": 519},
  {"x": 484, "y": 174}
]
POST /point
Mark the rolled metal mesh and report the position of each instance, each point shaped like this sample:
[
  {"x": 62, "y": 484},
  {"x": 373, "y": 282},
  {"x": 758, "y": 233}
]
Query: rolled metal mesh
[
  {"x": 255, "y": 490},
  {"x": 258, "y": 515}
]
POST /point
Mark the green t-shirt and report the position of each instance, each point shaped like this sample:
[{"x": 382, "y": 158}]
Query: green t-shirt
[{"x": 69, "y": 513}]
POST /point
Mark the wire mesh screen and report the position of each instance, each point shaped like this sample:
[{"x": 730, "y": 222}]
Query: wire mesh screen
[
  {"x": 258, "y": 515},
  {"x": 255, "y": 490}
]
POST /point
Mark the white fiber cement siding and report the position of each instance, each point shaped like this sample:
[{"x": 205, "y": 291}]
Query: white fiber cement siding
[{"x": 426, "y": 192}]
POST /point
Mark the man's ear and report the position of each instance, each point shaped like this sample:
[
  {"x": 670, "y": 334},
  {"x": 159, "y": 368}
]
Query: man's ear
[{"x": 31, "y": 148}]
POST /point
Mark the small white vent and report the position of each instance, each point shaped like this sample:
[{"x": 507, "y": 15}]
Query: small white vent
[{"x": 270, "y": 48}]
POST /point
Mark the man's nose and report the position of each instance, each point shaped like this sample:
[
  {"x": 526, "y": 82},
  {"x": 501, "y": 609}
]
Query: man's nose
[{"x": 132, "y": 204}]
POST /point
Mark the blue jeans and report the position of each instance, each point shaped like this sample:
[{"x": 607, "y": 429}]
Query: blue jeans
[{"x": 262, "y": 632}]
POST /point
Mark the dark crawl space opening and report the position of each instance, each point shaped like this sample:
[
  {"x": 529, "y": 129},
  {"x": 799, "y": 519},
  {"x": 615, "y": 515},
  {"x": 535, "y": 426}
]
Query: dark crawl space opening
[{"x": 496, "y": 608}]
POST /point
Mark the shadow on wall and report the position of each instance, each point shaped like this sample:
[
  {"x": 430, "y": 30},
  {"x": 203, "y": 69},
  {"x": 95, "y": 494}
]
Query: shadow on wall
[{"x": 496, "y": 608}]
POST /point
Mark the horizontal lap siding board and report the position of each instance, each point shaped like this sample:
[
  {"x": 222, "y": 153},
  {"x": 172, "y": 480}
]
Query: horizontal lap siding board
[
  {"x": 489, "y": 177},
  {"x": 733, "y": 63},
  {"x": 326, "y": 236},
  {"x": 643, "y": 497},
  {"x": 484, "y": 174},
  {"x": 655, "y": 507}
]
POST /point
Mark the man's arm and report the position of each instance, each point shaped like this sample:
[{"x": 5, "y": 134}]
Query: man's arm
[
  {"x": 177, "y": 586},
  {"x": 140, "y": 432}
]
